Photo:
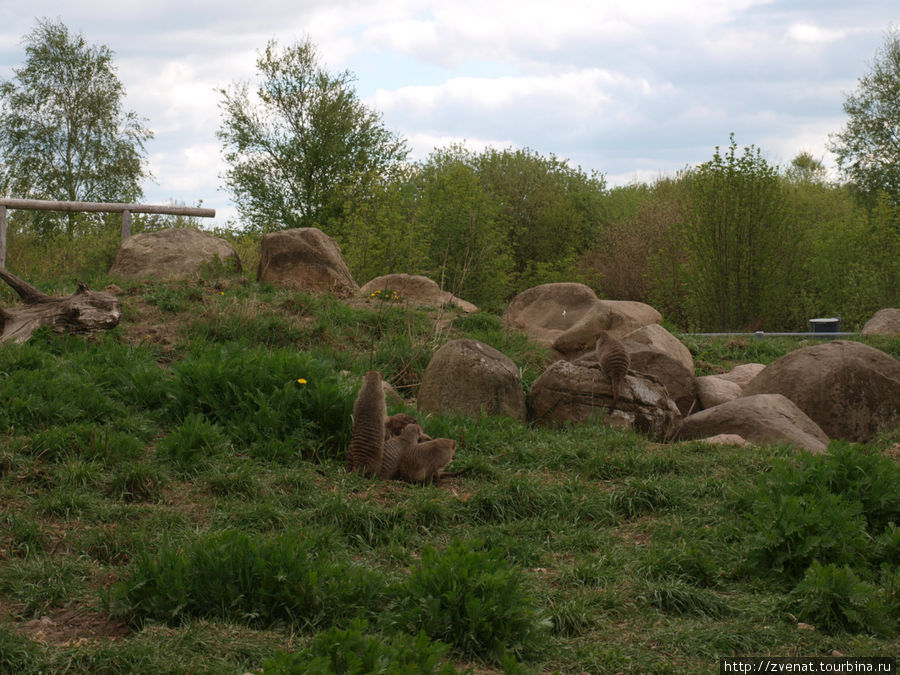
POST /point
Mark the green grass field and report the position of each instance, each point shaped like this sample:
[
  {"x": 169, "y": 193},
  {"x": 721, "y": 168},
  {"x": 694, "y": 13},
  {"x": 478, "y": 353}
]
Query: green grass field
[{"x": 173, "y": 499}]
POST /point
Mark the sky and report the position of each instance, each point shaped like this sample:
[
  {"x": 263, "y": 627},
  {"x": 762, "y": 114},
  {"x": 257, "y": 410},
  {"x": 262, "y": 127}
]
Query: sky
[{"x": 632, "y": 89}]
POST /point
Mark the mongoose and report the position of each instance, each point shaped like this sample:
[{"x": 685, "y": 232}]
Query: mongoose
[
  {"x": 614, "y": 360},
  {"x": 369, "y": 416},
  {"x": 396, "y": 447},
  {"x": 397, "y": 423},
  {"x": 422, "y": 462}
]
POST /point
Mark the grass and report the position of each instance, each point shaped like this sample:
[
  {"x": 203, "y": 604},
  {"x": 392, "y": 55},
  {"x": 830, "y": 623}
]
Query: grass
[{"x": 174, "y": 499}]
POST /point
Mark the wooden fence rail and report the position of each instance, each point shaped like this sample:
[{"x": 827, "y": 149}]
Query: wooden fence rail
[{"x": 93, "y": 207}]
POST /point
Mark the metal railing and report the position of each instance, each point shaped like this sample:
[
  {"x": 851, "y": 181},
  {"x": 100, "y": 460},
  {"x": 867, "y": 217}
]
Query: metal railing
[{"x": 93, "y": 207}]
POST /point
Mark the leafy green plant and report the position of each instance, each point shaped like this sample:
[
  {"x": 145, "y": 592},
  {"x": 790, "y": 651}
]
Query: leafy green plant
[
  {"x": 259, "y": 395},
  {"x": 474, "y": 600},
  {"x": 827, "y": 508},
  {"x": 790, "y": 532},
  {"x": 834, "y": 598},
  {"x": 136, "y": 482},
  {"x": 354, "y": 651}
]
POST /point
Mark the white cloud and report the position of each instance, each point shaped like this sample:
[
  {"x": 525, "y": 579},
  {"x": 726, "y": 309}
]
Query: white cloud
[
  {"x": 630, "y": 88},
  {"x": 808, "y": 33}
]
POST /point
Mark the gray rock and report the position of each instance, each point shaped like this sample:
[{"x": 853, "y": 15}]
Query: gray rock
[
  {"x": 573, "y": 391},
  {"x": 713, "y": 390},
  {"x": 656, "y": 336},
  {"x": 171, "y": 254},
  {"x": 305, "y": 259},
  {"x": 883, "y": 322},
  {"x": 763, "y": 418},
  {"x": 471, "y": 378},
  {"x": 851, "y": 390}
]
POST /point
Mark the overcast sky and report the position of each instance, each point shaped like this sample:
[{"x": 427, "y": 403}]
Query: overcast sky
[{"x": 631, "y": 88}]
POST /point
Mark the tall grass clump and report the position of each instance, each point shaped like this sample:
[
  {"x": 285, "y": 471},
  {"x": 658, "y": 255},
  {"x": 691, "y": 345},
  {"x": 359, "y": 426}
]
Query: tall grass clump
[
  {"x": 474, "y": 600},
  {"x": 302, "y": 580},
  {"x": 193, "y": 444},
  {"x": 266, "y": 398}
]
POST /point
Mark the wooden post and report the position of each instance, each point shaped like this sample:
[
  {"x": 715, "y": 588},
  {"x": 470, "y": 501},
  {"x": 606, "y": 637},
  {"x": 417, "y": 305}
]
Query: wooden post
[
  {"x": 126, "y": 224},
  {"x": 2, "y": 235}
]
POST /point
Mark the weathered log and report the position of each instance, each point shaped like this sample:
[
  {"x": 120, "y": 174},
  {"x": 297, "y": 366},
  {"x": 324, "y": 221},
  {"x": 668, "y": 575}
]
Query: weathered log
[{"x": 85, "y": 311}]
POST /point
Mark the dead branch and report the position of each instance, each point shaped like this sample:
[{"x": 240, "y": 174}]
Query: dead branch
[{"x": 85, "y": 311}]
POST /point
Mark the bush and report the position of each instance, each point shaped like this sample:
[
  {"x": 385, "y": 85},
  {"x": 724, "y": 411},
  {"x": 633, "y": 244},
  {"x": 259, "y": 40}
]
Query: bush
[
  {"x": 352, "y": 651},
  {"x": 833, "y": 598},
  {"x": 791, "y": 532},
  {"x": 828, "y": 508},
  {"x": 474, "y": 600}
]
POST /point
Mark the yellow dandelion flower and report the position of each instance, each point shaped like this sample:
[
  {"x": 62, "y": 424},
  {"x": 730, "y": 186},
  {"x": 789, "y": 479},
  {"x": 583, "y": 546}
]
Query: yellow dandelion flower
[
  {"x": 221, "y": 292},
  {"x": 301, "y": 380}
]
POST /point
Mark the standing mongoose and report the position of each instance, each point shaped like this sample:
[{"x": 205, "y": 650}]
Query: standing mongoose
[
  {"x": 396, "y": 447},
  {"x": 369, "y": 416},
  {"x": 422, "y": 462},
  {"x": 614, "y": 360}
]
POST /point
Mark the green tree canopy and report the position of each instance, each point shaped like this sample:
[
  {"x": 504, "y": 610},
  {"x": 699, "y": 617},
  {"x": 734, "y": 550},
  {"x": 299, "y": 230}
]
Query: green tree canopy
[
  {"x": 739, "y": 240},
  {"x": 868, "y": 147},
  {"x": 303, "y": 144},
  {"x": 63, "y": 132},
  {"x": 550, "y": 211}
]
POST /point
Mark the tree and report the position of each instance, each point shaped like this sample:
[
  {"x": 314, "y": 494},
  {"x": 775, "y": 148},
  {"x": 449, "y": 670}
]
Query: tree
[
  {"x": 805, "y": 168},
  {"x": 868, "y": 147},
  {"x": 550, "y": 211},
  {"x": 465, "y": 240},
  {"x": 63, "y": 132},
  {"x": 304, "y": 145},
  {"x": 739, "y": 241}
]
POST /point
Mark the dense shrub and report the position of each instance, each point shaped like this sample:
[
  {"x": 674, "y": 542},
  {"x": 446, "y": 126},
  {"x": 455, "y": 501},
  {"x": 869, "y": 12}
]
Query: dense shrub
[{"x": 834, "y": 598}]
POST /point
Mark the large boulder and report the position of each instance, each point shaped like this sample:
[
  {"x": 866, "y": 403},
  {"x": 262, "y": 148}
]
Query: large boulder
[
  {"x": 171, "y": 254},
  {"x": 305, "y": 259},
  {"x": 713, "y": 390},
  {"x": 679, "y": 382},
  {"x": 742, "y": 374},
  {"x": 545, "y": 312},
  {"x": 471, "y": 378},
  {"x": 576, "y": 391},
  {"x": 883, "y": 322},
  {"x": 416, "y": 289},
  {"x": 616, "y": 317},
  {"x": 851, "y": 390},
  {"x": 654, "y": 335},
  {"x": 763, "y": 418}
]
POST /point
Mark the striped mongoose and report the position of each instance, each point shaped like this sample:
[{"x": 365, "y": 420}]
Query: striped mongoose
[
  {"x": 396, "y": 447},
  {"x": 369, "y": 416},
  {"x": 422, "y": 462},
  {"x": 614, "y": 360},
  {"x": 397, "y": 423}
]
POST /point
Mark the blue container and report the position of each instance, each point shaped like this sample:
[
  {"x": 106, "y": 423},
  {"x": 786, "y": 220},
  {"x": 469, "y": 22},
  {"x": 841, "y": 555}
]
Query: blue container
[{"x": 825, "y": 326}]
